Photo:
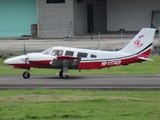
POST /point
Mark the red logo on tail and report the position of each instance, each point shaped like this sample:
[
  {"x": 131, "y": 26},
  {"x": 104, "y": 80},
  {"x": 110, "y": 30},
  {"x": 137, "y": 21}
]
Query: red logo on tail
[{"x": 138, "y": 43}]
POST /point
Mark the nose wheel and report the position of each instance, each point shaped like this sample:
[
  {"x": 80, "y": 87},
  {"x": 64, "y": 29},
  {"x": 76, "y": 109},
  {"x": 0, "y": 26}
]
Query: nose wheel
[{"x": 26, "y": 75}]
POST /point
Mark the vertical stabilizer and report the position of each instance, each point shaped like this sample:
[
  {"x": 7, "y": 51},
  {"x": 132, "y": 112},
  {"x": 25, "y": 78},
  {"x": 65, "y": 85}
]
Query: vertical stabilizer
[{"x": 141, "y": 42}]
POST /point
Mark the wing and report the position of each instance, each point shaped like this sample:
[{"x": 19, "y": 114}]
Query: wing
[{"x": 66, "y": 61}]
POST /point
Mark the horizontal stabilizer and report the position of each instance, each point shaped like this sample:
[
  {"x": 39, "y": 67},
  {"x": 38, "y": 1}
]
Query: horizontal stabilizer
[{"x": 146, "y": 59}]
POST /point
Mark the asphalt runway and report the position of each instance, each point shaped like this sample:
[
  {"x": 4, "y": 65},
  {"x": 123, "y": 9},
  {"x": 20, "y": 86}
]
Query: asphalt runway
[{"x": 98, "y": 82}]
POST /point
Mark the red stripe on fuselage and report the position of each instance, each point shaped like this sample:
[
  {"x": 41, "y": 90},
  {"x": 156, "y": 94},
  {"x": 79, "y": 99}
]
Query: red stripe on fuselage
[{"x": 113, "y": 62}]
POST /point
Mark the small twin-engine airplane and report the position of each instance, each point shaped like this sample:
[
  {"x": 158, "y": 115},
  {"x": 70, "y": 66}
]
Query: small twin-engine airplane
[{"x": 65, "y": 58}]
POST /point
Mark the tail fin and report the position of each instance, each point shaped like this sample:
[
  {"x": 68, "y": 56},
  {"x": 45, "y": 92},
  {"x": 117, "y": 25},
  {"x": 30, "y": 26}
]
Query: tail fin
[{"x": 141, "y": 43}]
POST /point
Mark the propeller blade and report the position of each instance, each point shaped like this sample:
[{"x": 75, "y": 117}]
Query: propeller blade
[
  {"x": 25, "y": 53},
  {"x": 24, "y": 49}
]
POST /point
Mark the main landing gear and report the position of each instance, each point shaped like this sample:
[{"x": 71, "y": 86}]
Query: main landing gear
[
  {"x": 64, "y": 71},
  {"x": 26, "y": 75},
  {"x": 63, "y": 75}
]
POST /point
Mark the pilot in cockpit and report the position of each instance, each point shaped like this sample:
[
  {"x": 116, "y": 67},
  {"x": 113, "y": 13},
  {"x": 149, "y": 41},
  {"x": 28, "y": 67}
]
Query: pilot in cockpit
[{"x": 57, "y": 52}]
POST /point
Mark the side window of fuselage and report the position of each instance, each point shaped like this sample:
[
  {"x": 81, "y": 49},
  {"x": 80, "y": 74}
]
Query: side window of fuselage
[
  {"x": 93, "y": 56},
  {"x": 69, "y": 53},
  {"x": 82, "y": 55}
]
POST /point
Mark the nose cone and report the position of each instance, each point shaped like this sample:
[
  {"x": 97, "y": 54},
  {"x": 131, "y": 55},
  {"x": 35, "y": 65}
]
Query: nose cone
[
  {"x": 8, "y": 61},
  {"x": 14, "y": 60}
]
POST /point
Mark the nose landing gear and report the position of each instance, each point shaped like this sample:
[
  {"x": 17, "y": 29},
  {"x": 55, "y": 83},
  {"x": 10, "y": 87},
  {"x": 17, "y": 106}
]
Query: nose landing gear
[{"x": 26, "y": 75}]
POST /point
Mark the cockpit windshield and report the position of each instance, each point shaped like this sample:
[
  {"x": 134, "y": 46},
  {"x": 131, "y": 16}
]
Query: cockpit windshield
[
  {"x": 47, "y": 51},
  {"x": 56, "y": 52},
  {"x": 52, "y": 51}
]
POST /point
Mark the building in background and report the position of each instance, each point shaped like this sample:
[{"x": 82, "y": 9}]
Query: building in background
[
  {"x": 60, "y": 18},
  {"x": 16, "y": 16}
]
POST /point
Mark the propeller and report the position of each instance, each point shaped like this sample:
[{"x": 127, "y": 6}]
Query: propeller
[
  {"x": 24, "y": 49},
  {"x": 25, "y": 53}
]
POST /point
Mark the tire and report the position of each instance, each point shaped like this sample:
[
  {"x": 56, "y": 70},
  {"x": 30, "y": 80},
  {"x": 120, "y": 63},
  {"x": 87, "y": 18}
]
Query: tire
[
  {"x": 26, "y": 75},
  {"x": 62, "y": 76}
]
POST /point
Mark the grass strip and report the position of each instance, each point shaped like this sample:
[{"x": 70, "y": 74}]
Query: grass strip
[{"x": 80, "y": 105}]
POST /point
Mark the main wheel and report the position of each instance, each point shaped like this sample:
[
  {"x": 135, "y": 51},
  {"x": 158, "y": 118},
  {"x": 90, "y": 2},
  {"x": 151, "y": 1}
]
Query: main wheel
[
  {"x": 26, "y": 75},
  {"x": 62, "y": 76}
]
